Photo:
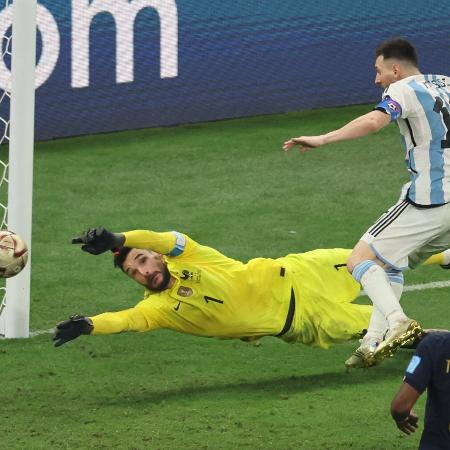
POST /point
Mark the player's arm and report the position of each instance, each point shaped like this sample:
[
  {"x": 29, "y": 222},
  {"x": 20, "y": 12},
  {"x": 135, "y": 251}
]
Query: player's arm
[
  {"x": 359, "y": 127},
  {"x": 401, "y": 408},
  {"x": 417, "y": 377},
  {"x": 132, "y": 319},
  {"x": 99, "y": 240},
  {"x": 171, "y": 243}
]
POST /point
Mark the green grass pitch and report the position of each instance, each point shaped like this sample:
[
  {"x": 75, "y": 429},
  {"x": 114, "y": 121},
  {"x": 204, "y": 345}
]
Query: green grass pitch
[{"x": 228, "y": 185}]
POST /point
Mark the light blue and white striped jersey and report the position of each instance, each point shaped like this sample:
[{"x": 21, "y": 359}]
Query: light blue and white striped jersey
[{"x": 420, "y": 105}]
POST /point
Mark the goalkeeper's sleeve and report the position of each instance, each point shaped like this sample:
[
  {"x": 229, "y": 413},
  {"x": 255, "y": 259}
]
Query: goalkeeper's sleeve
[
  {"x": 133, "y": 319},
  {"x": 170, "y": 243}
]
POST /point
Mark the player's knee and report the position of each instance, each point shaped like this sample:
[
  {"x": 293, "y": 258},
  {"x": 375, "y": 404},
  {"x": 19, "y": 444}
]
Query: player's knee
[
  {"x": 361, "y": 253},
  {"x": 352, "y": 262}
]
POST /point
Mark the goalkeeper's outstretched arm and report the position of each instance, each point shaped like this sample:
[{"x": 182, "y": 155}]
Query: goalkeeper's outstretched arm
[
  {"x": 99, "y": 240},
  {"x": 132, "y": 319}
]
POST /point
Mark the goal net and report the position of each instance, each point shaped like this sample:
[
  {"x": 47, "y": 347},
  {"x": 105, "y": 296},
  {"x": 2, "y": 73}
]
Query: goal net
[{"x": 17, "y": 67}]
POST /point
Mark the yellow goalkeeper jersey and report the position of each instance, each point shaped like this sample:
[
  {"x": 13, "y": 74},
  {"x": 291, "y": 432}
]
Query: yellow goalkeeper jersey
[{"x": 213, "y": 295}]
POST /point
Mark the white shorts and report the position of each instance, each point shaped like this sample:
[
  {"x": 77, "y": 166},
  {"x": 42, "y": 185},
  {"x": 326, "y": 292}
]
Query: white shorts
[{"x": 406, "y": 235}]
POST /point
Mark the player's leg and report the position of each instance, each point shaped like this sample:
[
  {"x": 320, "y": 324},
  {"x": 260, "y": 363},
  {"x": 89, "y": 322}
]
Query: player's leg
[
  {"x": 324, "y": 271},
  {"x": 325, "y": 291},
  {"x": 334, "y": 293},
  {"x": 325, "y": 314},
  {"x": 417, "y": 233},
  {"x": 431, "y": 253},
  {"x": 390, "y": 240},
  {"x": 363, "y": 356},
  {"x": 378, "y": 325},
  {"x": 340, "y": 322},
  {"x": 321, "y": 322},
  {"x": 440, "y": 259},
  {"x": 366, "y": 268}
]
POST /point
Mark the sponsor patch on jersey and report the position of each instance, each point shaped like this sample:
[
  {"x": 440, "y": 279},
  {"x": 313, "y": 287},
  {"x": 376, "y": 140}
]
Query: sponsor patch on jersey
[
  {"x": 415, "y": 361},
  {"x": 184, "y": 291},
  {"x": 391, "y": 107},
  {"x": 191, "y": 275}
]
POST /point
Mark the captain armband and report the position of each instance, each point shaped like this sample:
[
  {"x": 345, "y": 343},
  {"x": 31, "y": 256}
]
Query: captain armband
[
  {"x": 391, "y": 107},
  {"x": 180, "y": 244}
]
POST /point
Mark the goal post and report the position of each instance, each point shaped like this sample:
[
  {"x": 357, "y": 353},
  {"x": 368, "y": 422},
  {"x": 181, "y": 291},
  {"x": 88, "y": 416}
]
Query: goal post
[{"x": 15, "y": 315}]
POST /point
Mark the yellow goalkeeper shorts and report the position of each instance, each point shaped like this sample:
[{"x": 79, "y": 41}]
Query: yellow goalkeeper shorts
[{"x": 324, "y": 292}]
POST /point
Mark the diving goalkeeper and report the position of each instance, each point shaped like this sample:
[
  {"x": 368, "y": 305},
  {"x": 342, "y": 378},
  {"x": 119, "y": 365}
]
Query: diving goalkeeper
[{"x": 195, "y": 289}]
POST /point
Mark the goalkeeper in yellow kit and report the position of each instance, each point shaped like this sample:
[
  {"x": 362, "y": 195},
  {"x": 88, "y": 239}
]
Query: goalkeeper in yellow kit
[{"x": 194, "y": 289}]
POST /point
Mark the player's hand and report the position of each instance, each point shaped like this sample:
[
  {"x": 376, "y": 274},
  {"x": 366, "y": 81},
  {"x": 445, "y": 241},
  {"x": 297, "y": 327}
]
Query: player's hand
[
  {"x": 410, "y": 424},
  {"x": 99, "y": 240},
  {"x": 71, "y": 329},
  {"x": 304, "y": 143}
]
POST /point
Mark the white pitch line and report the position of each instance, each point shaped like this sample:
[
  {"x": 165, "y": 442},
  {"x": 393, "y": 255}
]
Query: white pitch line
[
  {"x": 39, "y": 332},
  {"x": 421, "y": 286},
  {"x": 411, "y": 287},
  {"x": 424, "y": 286}
]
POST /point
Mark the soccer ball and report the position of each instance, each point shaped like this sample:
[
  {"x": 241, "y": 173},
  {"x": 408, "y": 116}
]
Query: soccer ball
[{"x": 13, "y": 254}]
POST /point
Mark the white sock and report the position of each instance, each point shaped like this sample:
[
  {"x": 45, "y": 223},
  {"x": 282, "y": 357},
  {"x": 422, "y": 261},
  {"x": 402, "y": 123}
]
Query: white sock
[
  {"x": 446, "y": 257},
  {"x": 377, "y": 328},
  {"x": 378, "y": 325},
  {"x": 396, "y": 281},
  {"x": 376, "y": 284}
]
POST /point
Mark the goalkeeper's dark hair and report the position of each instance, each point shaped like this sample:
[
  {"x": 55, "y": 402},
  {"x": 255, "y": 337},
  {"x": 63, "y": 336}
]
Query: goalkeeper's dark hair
[
  {"x": 398, "y": 48},
  {"x": 120, "y": 256}
]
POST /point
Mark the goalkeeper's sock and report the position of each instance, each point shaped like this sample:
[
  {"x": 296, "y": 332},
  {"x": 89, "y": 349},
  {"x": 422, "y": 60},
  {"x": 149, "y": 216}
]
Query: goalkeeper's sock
[
  {"x": 441, "y": 259},
  {"x": 377, "y": 286}
]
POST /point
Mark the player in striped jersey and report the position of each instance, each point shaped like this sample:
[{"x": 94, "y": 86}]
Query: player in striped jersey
[{"x": 419, "y": 224}]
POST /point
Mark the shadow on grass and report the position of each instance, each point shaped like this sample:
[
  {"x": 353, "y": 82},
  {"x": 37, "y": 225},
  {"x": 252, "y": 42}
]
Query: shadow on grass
[{"x": 274, "y": 387}]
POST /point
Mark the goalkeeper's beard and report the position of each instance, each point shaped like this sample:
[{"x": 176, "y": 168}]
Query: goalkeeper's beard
[{"x": 163, "y": 284}]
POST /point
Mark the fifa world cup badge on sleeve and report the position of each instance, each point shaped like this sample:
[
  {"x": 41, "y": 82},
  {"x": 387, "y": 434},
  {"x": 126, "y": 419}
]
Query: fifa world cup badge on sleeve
[{"x": 415, "y": 361}]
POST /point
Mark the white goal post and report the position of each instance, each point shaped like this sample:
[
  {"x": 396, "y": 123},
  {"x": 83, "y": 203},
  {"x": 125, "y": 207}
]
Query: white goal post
[{"x": 19, "y": 131}]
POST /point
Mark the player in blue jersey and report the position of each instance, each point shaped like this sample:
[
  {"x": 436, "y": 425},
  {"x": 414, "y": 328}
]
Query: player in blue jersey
[
  {"x": 419, "y": 224},
  {"x": 429, "y": 369}
]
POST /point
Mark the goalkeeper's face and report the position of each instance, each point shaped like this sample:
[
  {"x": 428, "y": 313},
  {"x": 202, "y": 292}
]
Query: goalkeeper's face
[{"x": 147, "y": 268}]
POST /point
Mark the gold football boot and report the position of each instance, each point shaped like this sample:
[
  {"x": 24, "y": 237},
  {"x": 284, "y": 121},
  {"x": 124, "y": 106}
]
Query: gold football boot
[
  {"x": 404, "y": 333},
  {"x": 362, "y": 357}
]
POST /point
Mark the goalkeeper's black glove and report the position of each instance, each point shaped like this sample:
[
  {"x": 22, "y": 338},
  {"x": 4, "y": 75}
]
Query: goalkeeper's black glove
[
  {"x": 71, "y": 329},
  {"x": 99, "y": 240}
]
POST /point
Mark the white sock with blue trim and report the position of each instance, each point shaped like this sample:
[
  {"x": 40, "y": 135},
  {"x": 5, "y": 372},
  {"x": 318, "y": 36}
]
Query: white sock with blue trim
[
  {"x": 376, "y": 330},
  {"x": 376, "y": 283},
  {"x": 396, "y": 280}
]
